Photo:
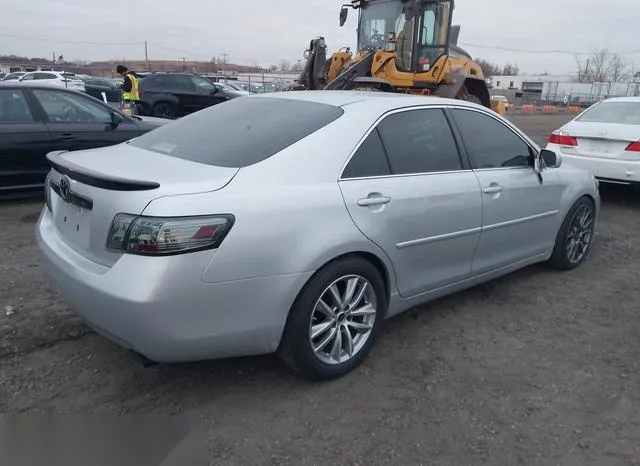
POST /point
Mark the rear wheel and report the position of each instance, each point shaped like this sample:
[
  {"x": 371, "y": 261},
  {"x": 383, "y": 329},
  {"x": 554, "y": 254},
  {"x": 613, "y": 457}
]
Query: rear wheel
[
  {"x": 575, "y": 236},
  {"x": 164, "y": 110},
  {"x": 335, "y": 320}
]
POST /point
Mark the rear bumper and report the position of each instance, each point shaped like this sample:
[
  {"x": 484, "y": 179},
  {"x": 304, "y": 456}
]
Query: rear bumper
[
  {"x": 161, "y": 308},
  {"x": 605, "y": 169}
]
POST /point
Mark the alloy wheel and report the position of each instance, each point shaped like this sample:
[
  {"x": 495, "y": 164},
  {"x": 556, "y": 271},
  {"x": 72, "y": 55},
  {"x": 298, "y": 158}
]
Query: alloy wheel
[
  {"x": 580, "y": 234},
  {"x": 342, "y": 319}
]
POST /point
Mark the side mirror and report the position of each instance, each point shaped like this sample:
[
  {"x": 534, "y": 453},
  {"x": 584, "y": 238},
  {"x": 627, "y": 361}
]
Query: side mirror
[
  {"x": 550, "y": 159},
  {"x": 116, "y": 119},
  {"x": 344, "y": 14}
]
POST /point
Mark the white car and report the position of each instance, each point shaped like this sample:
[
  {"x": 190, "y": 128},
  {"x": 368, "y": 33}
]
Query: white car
[
  {"x": 502, "y": 99},
  {"x": 605, "y": 140},
  {"x": 56, "y": 78}
]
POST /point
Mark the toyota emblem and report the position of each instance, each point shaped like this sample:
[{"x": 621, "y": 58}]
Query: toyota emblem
[{"x": 65, "y": 188}]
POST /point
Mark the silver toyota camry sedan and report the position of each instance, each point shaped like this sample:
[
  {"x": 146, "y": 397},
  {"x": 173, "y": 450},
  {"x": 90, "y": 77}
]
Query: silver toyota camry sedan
[{"x": 299, "y": 222}]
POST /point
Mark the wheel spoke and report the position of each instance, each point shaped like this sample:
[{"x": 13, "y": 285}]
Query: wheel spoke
[
  {"x": 348, "y": 341},
  {"x": 363, "y": 311},
  {"x": 325, "y": 309},
  {"x": 355, "y": 301},
  {"x": 326, "y": 340},
  {"x": 335, "y": 293},
  {"x": 319, "y": 329},
  {"x": 350, "y": 290},
  {"x": 360, "y": 327},
  {"x": 336, "y": 349}
]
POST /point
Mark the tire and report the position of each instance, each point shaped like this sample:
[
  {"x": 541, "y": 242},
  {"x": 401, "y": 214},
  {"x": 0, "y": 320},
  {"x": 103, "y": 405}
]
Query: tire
[
  {"x": 363, "y": 326},
  {"x": 580, "y": 221},
  {"x": 164, "y": 110}
]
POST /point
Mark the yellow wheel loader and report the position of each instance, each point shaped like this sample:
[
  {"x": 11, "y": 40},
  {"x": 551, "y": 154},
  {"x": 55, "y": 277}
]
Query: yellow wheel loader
[{"x": 406, "y": 46}]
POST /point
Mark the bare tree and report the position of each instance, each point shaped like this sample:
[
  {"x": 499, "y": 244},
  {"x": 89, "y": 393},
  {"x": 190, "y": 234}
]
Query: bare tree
[
  {"x": 620, "y": 70},
  {"x": 274, "y": 68},
  {"x": 603, "y": 66},
  {"x": 510, "y": 69},
  {"x": 285, "y": 65},
  {"x": 488, "y": 69}
]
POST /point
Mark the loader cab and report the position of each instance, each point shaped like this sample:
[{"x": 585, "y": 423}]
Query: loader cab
[{"x": 418, "y": 30}]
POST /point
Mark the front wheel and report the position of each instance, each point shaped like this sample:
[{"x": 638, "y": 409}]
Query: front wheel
[
  {"x": 164, "y": 110},
  {"x": 335, "y": 320},
  {"x": 575, "y": 236}
]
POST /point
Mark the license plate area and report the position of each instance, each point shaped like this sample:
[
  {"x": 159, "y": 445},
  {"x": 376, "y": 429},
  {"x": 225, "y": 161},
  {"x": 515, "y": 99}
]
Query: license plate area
[{"x": 74, "y": 223}]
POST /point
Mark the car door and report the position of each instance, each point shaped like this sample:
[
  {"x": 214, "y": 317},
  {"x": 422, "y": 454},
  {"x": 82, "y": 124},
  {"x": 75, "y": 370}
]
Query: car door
[
  {"x": 208, "y": 92},
  {"x": 189, "y": 98},
  {"x": 77, "y": 122},
  {"x": 521, "y": 207},
  {"x": 423, "y": 207},
  {"x": 24, "y": 143}
]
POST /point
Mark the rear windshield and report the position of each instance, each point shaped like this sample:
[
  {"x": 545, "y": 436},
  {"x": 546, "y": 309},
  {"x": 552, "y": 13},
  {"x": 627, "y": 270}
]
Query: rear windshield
[
  {"x": 613, "y": 112},
  {"x": 240, "y": 132}
]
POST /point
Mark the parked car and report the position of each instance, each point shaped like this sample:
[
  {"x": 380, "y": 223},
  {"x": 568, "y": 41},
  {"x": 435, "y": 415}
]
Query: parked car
[
  {"x": 227, "y": 87},
  {"x": 605, "y": 140},
  {"x": 111, "y": 88},
  {"x": 302, "y": 232},
  {"x": 66, "y": 80},
  {"x": 14, "y": 76},
  {"x": 502, "y": 99},
  {"x": 172, "y": 95},
  {"x": 35, "y": 120}
]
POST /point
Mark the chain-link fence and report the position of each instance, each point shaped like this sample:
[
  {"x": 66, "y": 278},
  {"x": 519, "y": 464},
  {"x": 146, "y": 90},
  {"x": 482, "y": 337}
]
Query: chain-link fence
[{"x": 568, "y": 93}]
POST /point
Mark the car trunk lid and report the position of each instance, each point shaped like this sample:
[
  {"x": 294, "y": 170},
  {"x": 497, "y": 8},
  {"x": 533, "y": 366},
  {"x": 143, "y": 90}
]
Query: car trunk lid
[
  {"x": 87, "y": 189},
  {"x": 606, "y": 140}
]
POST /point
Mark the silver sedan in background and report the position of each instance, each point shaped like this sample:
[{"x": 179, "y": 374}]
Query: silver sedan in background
[{"x": 299, "y": 222}]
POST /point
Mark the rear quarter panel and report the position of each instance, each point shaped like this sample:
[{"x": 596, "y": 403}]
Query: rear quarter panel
[{"x": 290, "y": 214}]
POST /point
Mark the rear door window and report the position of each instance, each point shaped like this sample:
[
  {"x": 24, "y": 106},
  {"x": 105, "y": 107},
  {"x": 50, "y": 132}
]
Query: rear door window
[
  {"x": 14, "y": 107},
  {"x": 419, "y": 141},
  {"x": 240, "y": 132},
  {"x": 369, "y": 160}
]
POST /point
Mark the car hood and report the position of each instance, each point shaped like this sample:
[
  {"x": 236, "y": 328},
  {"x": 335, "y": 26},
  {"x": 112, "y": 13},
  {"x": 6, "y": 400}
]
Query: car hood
[{"x": 147, "y": 123}]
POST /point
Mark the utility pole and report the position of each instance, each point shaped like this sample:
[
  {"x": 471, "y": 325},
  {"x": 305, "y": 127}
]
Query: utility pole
[
  {"x": 184, "y": 65},
  {"x": 146, "y": 55},
  {"x": 225, "y": 55}
]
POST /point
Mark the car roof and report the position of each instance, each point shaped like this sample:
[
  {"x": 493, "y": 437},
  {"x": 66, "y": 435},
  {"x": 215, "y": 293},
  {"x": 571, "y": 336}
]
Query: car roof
[
  {"x": 622, "y": 99},
  {"x": 384, "y": 100},
  {"x": 44, "y": 86}
]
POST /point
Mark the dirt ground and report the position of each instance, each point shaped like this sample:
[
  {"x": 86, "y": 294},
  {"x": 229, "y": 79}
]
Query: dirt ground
[{"x": 540, "y": 367}]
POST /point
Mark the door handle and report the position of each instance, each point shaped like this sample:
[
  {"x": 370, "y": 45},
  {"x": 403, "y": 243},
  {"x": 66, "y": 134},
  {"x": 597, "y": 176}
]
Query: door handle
[
  {"x": 66, "y": 137},
  {"x": 373, "y": 201},
  {"x": 494, "y": 188}
]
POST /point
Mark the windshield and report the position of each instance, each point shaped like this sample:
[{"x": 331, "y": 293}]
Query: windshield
[
  {"x": 236, "y": 134},
  {"x": 613, "y": 112},
  {"x": 378, "y": 20}
]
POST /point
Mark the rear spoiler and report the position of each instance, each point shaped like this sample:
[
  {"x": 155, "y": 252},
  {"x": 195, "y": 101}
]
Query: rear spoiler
[{"x": 93, "y": 178}]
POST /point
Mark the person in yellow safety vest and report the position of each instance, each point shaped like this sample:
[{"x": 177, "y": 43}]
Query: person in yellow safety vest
[{"x": 130, "y": 92}]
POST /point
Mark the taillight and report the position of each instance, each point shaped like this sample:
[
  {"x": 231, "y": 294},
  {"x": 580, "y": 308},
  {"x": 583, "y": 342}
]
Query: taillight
[
  {"x": 159, "y": 236},
  {"x": 47, "y": 191},
  {"x": 633, "y": 147},
  {"x": 562, "y": 139}
]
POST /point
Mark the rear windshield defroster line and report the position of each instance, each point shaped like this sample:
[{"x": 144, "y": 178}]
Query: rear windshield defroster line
[{"x": 240, "y": 132}]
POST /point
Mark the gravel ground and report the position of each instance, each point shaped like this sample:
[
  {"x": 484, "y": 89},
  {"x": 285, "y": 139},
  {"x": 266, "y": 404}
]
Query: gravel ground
[{"x": 540, "y": 367}]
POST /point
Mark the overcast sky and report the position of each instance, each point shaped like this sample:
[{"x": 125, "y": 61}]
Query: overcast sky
[{"x": 268, "y": 31}]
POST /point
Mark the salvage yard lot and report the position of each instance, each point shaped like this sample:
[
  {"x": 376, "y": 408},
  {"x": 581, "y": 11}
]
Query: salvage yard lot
[{"x": 540, "y": 367}]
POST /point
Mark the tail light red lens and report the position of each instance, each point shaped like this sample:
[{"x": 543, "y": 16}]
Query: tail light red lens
[
  {"x": 158, "y": 236},
  {"x": 633, "y": 147},
  {"x": 563, "y": 140}
]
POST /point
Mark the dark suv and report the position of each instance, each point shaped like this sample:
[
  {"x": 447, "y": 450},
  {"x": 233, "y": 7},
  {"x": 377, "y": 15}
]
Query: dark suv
[{"x": 172, "y": 95}]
